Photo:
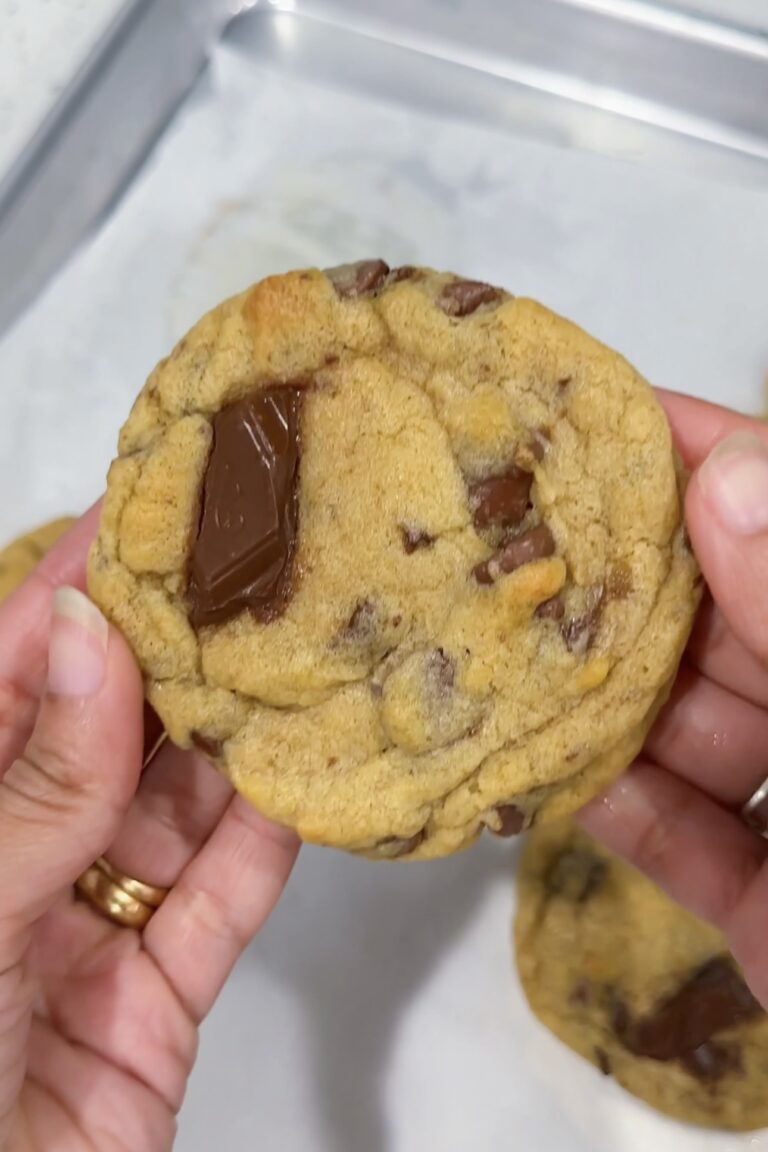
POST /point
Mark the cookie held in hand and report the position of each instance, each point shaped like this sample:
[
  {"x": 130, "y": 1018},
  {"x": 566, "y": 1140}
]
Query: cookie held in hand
[{"x": 401, "y": 554}]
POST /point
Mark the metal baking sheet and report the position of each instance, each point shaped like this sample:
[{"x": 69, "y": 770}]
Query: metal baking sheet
[{"x": 379, "y": 1010}]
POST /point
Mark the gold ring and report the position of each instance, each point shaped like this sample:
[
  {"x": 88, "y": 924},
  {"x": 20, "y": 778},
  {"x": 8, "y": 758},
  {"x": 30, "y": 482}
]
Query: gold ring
[{"x": 120, "y": 898}]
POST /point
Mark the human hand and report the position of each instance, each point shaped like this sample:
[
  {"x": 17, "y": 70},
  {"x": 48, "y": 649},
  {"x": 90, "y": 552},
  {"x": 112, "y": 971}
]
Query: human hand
[
  {"x": 98, "y": 1023},
  {"x": 676, "y": 813}
]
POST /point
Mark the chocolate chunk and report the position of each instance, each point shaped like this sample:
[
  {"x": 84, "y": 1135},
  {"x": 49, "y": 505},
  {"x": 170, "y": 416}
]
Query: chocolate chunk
[
  {"x": 580, "y": 631},
  {"x": 576, "y": 874},
  {"x": 710, "y": 1062},
  {"x": 360, "y": 279},
  {"x": 404, "y": 272},
  {"x": 553, "y": 609},
  {"x": 501, "y": 501},
  {"x": 415, "y": 538},
  {"x": 524, "y": 549},
  {"x": 715, "y": 998},
  {"x": 512, "y": 821},
  {"x": 209, "y": 745},
  {"x": 362, "y": 622},
  {"x": 603, "y": 1063},
  {"x": 394, "y": 847},
  {"x": 243, "y": 555},
  {"x": 465, "y": 296}
]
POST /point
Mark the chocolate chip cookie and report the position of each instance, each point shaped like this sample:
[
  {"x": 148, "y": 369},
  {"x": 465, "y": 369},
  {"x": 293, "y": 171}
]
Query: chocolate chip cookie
[
  {"x": 641, "y": 988},
  {"x": 402, "y": 554},
  {"x": 19, "y": 558}
]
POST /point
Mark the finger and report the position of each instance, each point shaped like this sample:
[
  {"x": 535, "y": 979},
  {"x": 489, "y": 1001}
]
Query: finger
[
  {"x": 61, "y": 801},
  {"x": 24, "y": 619},
  {"x": 219, "y": 903},
  {"x": 180, "y": 800},
  {"x": 697, "y": 426},
  {"x": 704, "y": 857},
  {"x": 712, "y": 738},
  {"x": 720, "y": 656},
  {"x": 727, "y": 517}
]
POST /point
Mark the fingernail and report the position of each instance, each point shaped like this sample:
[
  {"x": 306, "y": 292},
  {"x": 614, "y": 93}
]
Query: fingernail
[
  {"x": 734, "y": 479},
  {"x": 625, "y": 802},
  {"x": 77, "y": 648}
]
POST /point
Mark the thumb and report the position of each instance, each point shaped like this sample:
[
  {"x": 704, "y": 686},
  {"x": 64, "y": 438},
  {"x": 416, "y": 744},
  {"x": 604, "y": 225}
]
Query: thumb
[
  {"x": 727, "y": 516},
  {"x": 62, "y": 801}
]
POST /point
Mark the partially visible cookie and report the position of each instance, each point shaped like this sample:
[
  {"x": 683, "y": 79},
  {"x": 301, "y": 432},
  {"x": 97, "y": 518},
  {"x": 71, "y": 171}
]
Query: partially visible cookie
[
  {"x": 19, "y": 558},
  {"x": 402, "y": 554},
  {"x": 642, "y": 989}
]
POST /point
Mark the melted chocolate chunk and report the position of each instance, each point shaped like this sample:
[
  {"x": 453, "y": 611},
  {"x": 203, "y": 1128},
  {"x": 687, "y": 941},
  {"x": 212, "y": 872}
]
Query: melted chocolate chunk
[
  {"x": 360, "y": 279},
  {"x": 553, "y": 609},
  {"x": 243, "y": 555},
  {"x": 512, "y": 821},
  {"x": 715, "y": 998},
  {"x": 603, "y": 1062},
  {"x": 524, "y": 549},
  {"x": 415, "y": 538},
  {"x": 209, "y": 745},
  {"x": 501, "y": 501},
  {"x": 539, "y": 444},
  {"x": 710, "y": 1062},
  {"x": 464, "y": 297},
  {"x": 576, "y": 875}
]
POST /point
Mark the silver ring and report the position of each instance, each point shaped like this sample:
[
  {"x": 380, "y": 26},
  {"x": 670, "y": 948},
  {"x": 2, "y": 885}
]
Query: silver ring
[{"x": 755, "y": 811}]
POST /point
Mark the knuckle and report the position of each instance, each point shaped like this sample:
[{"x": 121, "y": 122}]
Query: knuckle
[
  {"x": 212, "y": 915},
  {"x": 17, "y": 709},
  {"x": 42, "y": 784}
]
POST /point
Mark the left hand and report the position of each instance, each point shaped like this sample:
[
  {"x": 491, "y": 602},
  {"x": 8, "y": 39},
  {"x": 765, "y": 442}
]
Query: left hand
[{"x": 99, "y": 1023}]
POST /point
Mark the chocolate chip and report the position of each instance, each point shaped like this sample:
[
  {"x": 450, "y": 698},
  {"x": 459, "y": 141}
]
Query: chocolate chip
[
  {"x": 501, "y": 501},
  {"x": 209, "y": 745},
  {"x": 711, "y": 1061},
  {"x": 713, "y": 999},
  {"x": 362, "y": 622},
  {"x": 404, "y": 272},
  {"x": 539, "y": 444},
  {"x": 563, "y": 382},
  {"x": 415, "y": 538},
  {"x": 465, "y": 296},
  {"x": 576, "y": 874},
  {"x": 580, "y": 631},
  {"x": 360, "y": 279},
  {"x": 619, "y": 582},
  {"x": 512, "y": 821},
  {"x": 394, "y": 847},
  {"x": 553, "y": 609},
  {"x": 524, "y": 549},
  {"x": 243, "y": 555},
  {"x": 441, "y": 671},
  {"x": 603, "y": 1063},
  {"x": 580, "y": 994}
]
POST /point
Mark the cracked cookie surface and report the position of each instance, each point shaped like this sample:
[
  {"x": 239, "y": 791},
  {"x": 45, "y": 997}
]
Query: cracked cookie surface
[
  {"x": 19, "y": 558},
  {"x": 401, "y": 553},
  {"x": 642, "y": 989}
]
